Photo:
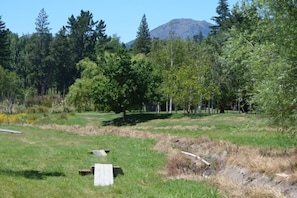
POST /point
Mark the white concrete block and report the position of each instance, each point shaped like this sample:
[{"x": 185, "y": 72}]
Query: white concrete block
[
  {"x": 103, "y": 175},
  {"x": 99, "y": 152}
]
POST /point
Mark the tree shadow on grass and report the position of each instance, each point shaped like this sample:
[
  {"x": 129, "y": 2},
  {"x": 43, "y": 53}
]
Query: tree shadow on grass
[
  {"x": 133, "y": 119},
  {"x": 31, "y": 174}
]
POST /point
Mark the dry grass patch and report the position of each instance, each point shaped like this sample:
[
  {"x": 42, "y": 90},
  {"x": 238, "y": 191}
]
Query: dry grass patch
[
  {"x": 240, "y": 171},
  {"x": 234, "y": 189},
  {"x": 227, "y": 118},
  {"x": 263, "y": 129},
  {"x": 292, "y": 179},
  {"x": 177, "y": 127},
  {"x": 263, "y": 160}
]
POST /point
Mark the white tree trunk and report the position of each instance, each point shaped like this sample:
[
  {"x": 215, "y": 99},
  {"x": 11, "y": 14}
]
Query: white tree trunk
[
  {"x": 200, "y": 105},
  {"x": 158, "y": 107},
  {"x": 166, "y": 106},
  {"x": 170, "y": 104}
]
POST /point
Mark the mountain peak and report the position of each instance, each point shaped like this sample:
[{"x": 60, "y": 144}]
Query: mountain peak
[{"x": 183, "y": 28}]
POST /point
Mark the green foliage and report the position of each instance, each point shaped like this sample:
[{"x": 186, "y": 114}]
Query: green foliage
[
  {"x": 42, "y": 23},
  {"x": 261, "y": 65},
  {"x": 79, "y": 95},
  {"x": 236, "y": 69},
  {"x": 4, "y": 45},
  {"x": 274, "y": 89},
  {"x": 185, "y": 67},
  {"x": 10, "y": 88},
  {"x": 38, "y": 55},
  {"x": 223, "y": 18},
  {"x": 29, "y": 99},
  {"x": 102, "y": 39},
  {"x": 123, "y": 85},
  {"x": 83, "y": 34},
  {"x": 20, "y": 58},
  {"x": 80, "y": 92},
  {"x": 190, "y": 82},
  {"x": 119, "y": 85},
  {"x": 249, "y": 59},
  {"x": 63, "y": 62}
]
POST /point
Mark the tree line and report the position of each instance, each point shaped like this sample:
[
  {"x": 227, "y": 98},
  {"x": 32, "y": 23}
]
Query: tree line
[{"x": 247, "y": 63}]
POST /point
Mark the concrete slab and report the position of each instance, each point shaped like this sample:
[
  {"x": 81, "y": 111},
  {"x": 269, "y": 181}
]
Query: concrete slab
[
  {"x": 103, "y": 175},
  {"x": 98, "y": 152}
]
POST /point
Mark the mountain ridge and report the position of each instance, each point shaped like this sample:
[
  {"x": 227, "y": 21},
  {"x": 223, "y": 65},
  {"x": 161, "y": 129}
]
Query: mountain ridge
[{"x": 182, "y": 28}]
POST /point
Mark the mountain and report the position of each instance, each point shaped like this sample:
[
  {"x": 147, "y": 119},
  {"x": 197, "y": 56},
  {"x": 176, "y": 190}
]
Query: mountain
[{"x": 182, "y": 28}]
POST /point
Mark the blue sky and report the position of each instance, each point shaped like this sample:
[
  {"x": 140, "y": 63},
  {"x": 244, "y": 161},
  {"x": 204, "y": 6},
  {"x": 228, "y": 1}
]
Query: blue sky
[{"x": 122, "y": 17}]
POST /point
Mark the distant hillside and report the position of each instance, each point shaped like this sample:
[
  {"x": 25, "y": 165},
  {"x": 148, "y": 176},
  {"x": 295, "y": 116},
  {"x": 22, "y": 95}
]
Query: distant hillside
[{"x": 182, "y": 28}]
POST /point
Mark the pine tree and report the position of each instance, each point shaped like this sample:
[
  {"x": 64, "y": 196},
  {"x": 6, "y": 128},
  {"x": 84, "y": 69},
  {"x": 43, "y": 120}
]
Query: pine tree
[
  {"x": 42, "y": 23},
  {"x": 82, "y": 34},
  {"x": 101, "y": 38},
  {"x": 222, "y": 20},
  {"x": 4, "y": 45},
  {"x": 40, "y": 42},
  {"x": 198, "y": 38},
  {"x": 143, "y": 40}
]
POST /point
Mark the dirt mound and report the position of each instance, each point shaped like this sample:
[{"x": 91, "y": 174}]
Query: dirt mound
[{"x": 236, "y": 171}]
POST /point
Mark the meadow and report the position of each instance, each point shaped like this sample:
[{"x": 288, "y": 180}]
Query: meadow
[{"x": 44, "y": 162}]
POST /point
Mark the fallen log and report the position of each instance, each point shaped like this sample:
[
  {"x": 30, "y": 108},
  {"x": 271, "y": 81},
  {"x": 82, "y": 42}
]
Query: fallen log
[{"x": 196, "y": 157}]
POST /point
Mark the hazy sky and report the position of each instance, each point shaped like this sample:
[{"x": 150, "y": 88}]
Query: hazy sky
[{"x": 122, "y": 17}]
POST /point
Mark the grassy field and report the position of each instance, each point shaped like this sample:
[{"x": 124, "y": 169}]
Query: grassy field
[
  {"x": 45, "y": 163},
  {"x": 241, "y": 129}
]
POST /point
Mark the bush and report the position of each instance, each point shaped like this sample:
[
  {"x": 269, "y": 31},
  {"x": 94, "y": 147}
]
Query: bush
[
  {"x": 37, "y": 109},
  {"x": 12, "y": 118}
]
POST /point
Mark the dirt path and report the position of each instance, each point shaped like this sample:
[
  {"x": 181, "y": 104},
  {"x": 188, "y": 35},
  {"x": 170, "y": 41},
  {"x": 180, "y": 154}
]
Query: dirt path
[{"x": 236, "y": 171}]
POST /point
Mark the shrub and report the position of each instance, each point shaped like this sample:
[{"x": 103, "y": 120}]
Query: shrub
[{"x": 12, "y": 118}]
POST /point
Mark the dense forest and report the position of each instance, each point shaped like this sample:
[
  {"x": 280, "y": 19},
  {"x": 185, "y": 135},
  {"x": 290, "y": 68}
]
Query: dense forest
[{"x": 248, "y": 63}]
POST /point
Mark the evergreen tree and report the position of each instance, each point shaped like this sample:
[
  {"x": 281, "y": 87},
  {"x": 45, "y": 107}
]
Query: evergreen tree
[
  {"x": 222, "y": 20},
  {"x": 4, "y": 46},
  {"x": 39, "y": 54},
  {"x": 198, "y": 37},
  {"x": 62, "y": 56},
  {"x": 102, "y": 40},
  {"x": 143, "y": 40},
  {"x": 42, "y": 23},
  {"x": 82, "y": 34}
]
